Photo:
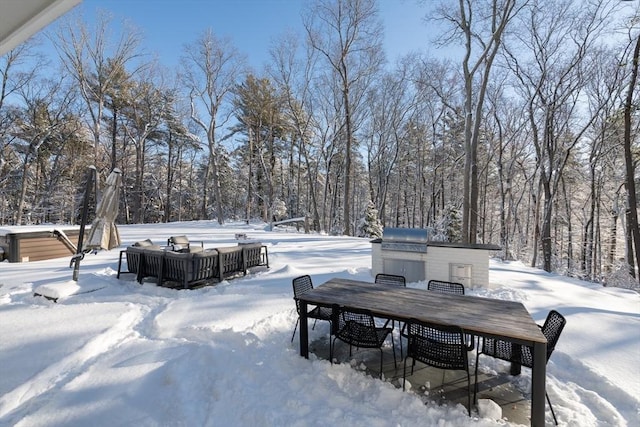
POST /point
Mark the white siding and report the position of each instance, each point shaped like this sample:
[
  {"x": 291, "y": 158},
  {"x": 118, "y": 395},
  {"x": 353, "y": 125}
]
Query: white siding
[{"x": 440, "y": 258}]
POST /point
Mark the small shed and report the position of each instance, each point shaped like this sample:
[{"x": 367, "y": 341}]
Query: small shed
[{"x": 37, "y": 243}]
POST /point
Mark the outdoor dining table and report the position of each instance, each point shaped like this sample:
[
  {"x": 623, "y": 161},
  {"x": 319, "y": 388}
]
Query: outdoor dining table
[{"x": 483, "y": 317}]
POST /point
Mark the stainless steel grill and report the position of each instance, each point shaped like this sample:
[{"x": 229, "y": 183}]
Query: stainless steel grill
[{"x": 405, "y": 239}]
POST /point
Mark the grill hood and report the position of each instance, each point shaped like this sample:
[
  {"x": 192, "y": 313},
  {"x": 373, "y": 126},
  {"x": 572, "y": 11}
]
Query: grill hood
[
  {"x": 409, "y": 235},
  {"x": 405, "y": 239}
]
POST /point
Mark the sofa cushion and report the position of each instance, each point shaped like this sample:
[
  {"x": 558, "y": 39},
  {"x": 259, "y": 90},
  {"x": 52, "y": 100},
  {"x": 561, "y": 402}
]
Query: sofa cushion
[
  {"x": 229, "y": 249},
  {"x": 144, "y": 243},
  {"x": 179, "y": 240},
  {"x": 204, "y": 253}
]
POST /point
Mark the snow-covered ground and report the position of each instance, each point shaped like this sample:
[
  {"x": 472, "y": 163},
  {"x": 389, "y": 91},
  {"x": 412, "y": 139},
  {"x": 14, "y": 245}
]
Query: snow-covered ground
[{"x": 221, "y": 355}]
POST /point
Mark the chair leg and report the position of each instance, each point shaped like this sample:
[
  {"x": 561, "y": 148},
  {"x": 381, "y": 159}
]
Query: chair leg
[
  {"x": 551, "y": 407},
  {"x": 469, "y": 392},
  {"x": 475, "y": 386},
  {"x": 332, "y": 343},
  {"x": 402, "y": 328},
  {"x": 404, "y": 373},
  {"x": 400, "y": 338},
  {"x": 294, "y": 329},
  {"x": 393, "y": 326},
  {"x": 393, "y": 346}
]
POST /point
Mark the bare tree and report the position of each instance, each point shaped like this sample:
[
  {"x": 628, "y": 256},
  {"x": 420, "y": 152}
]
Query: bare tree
[
  {"x": 633, "y": 237},
  {"x": 605, "y": 142},
  {"x": 348, "y": 35},
  {"x": 553, "y": 78},
  {"x": 480, "y": 25},
  {"x": 293, "y": 76},
  {"x": 388, "y": 134},
  {"x": 46, "y": 113},
  {"x": 441, "y": 114},
  {"x": 212, "y": 67},
  {"x": 142, "y": 119},
  {"x": 17, "y": 68},
  {"x": 507, "y": 123},
  {"x": 96, "y": 65}
]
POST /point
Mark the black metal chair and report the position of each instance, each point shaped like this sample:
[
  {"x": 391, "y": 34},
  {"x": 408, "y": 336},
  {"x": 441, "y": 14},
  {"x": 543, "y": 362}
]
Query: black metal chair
[
  {"x": 392, "y": 280},
  {"x": 522, "y": 354},
  {"x": 301, "y": 285},
  {"x": 357, "y": 328},
  {"x": 440, "y": 346},
  {"x": 445, "y": 287}
]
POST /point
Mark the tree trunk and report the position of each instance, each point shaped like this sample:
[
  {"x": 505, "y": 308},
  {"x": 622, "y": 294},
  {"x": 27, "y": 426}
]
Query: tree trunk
[
  {"x": 114, "y": 134},
  {"x": 347, "y": 160},
  {"x": 633, "y": 236},
  {"x": 169, "y": 182}
]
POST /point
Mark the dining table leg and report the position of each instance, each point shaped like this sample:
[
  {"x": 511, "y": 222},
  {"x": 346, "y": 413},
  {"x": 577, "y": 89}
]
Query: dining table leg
[
  {"x": 538, "y": 379},
  {"x": 516, "y": 351},
  {"x": 304, "y": 330}
]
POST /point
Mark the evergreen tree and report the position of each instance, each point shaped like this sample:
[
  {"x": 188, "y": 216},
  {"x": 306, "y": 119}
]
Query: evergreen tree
[
  {"x": 449, "y": 227},
  {"x": 370, "y": 225},
  {"x": 279, "y": 210}
]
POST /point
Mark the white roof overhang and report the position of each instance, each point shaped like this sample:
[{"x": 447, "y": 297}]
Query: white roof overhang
[{"x": 21, "y": 19}]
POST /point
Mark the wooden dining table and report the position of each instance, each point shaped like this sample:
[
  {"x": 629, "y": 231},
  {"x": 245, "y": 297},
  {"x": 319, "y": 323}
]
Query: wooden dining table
[{"x": 483, "y": 317}]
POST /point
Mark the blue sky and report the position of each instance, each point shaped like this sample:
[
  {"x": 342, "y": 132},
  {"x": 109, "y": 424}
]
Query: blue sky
[{"x": 167, "y": 25}]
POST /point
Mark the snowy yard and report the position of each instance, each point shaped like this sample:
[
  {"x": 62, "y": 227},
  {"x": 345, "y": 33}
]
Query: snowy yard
[{"x": 221, "y": 355}]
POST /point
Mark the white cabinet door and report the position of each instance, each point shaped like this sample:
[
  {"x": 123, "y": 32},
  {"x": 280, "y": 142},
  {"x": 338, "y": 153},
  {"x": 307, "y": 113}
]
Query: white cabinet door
[{"x": 460, "y": 273}]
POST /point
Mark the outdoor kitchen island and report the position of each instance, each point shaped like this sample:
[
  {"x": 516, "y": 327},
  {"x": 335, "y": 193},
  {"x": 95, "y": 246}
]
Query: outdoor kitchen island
[{"x": 408, "y": 252}]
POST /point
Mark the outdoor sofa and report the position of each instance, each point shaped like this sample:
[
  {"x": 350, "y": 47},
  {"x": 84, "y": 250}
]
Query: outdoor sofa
[{"x": 188, "y": 268}]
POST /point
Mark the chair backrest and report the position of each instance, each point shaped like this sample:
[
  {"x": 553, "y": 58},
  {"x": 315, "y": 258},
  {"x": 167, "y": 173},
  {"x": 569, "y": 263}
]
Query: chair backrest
[
  {"x": 445, "y": 287},
  {"x": 441, "y": 346},
  {"x": 552, "y": 328},
  {"x": 390, "y": 279},
  {"x": 357, "y": 327},
  {"x": 301, "y": 285}
]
